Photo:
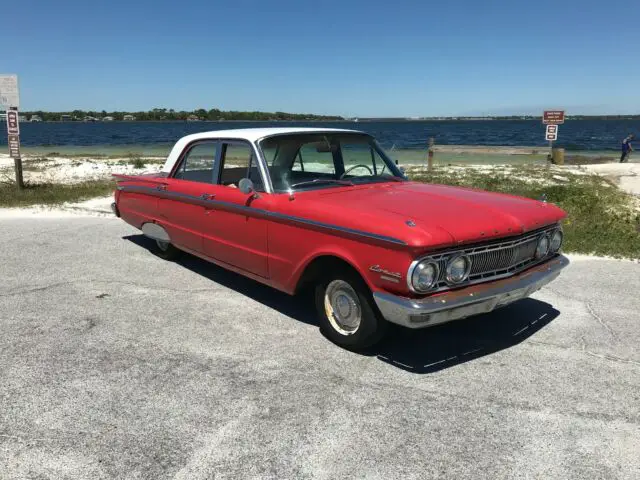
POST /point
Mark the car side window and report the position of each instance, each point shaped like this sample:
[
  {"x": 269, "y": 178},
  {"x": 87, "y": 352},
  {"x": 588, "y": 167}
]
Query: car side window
[
  {"x": 238, "y": 162},
  {"x": 197, "y": 163}
]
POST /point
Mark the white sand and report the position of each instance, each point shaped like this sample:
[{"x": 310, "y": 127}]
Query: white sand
[
  {"x": 95, "y": 207},
  {"x": 73, "y": 170},
  {"x": 626, "y": 175}
]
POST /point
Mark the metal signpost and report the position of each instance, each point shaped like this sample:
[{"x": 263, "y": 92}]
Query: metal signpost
[
  {"x": 552, "y": 118},
  {"x": 10, "y": 101}
]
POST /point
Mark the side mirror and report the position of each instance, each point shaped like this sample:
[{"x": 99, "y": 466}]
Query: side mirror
[{"x": 246, "y": 186}]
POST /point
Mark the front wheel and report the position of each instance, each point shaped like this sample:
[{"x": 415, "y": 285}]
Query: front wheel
[{"x": 347, "y": 313}]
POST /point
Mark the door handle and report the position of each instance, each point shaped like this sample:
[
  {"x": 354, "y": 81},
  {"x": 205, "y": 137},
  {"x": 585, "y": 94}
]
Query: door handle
[
  {"x": 162, "y": 188},
  {"x": 207, "y": 196}
]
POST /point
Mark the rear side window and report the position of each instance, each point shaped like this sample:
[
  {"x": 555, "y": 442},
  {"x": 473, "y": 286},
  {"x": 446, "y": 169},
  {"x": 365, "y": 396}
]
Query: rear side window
[
  {"x": 238, "y": 162},
  {"x": 197, "y": 163}
]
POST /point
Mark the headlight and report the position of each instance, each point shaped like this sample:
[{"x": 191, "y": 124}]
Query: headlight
[
  {"x": 543, "y": 247},
  {"x": 458, "y": 269},
  {"x": 556, "y": 240},
  {"x": 423, "y": 275}
]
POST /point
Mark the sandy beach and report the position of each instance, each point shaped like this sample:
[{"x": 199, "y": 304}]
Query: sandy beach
[
  {"x": 72, "y": 169},
  {"x": 65, "y": 170}
]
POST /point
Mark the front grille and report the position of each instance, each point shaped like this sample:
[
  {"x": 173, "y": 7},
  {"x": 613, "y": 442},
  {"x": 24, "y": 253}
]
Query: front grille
[{"x": 493, "y": 260}]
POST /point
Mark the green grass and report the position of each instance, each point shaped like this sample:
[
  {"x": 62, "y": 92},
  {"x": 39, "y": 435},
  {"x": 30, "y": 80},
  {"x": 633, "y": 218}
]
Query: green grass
[
  {"x": 52, "y": 194},
  {"x": 602, "y": 219}
]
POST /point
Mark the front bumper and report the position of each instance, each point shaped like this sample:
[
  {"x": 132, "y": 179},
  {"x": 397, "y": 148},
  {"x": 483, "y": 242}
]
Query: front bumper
[
  {"x": 472, "y": 300},
  {"x": 114, "y": 209}
]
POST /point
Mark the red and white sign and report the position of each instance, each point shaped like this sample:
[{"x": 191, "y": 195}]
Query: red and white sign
[
  {"x": 13, "y": 127},
  {"x": 553, "y": 117},
  {"x": 552, "y": 133}
]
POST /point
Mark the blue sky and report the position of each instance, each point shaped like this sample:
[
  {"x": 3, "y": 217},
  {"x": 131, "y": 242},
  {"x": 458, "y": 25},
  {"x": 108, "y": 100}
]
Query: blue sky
[{"x": 348, "y": 57}]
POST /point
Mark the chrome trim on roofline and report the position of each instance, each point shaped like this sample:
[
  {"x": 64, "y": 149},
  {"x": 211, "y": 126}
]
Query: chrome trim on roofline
[{"x": 258, "y": 212}]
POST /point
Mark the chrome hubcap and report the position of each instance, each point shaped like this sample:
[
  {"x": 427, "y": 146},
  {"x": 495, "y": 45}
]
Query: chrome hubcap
[
  {"x": 342, "y": 306},
  {"x": 164, "y": 246}
]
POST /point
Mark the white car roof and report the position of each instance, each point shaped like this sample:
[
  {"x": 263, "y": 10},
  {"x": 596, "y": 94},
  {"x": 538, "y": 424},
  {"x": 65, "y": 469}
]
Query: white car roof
[{"x": 250, "y": 134}]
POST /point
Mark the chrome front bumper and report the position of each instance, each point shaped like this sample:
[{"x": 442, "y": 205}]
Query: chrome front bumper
[{"x": 473, "y": 300}]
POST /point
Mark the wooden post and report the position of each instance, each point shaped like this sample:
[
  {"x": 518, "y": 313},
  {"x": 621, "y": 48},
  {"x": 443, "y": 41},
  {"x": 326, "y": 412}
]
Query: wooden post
[
  {"x": 430, "y": 155},
  {"x": 17, "y": 163}
]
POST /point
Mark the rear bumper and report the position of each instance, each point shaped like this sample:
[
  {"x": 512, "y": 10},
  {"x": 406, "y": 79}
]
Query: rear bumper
[{"x": 473, "y": 300}]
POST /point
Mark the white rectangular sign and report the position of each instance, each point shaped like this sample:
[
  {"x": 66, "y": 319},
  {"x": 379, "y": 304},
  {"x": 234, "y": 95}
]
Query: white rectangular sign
[
  {"x": 552, "y": 133},
  {"x": 14, "y": 146},
  {"x": 9, "y": 96}
]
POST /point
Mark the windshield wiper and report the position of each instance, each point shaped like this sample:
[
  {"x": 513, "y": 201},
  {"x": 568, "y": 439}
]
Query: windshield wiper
[{"x": 322, "y": 180}]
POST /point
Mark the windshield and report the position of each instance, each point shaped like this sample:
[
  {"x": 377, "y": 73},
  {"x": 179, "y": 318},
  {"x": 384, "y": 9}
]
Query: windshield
[{"x": 319, "y": 160}]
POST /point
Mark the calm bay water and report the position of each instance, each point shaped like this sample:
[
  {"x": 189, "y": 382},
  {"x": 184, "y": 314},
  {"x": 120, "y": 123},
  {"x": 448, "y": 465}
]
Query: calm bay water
[{"x": 157, "y": 137}]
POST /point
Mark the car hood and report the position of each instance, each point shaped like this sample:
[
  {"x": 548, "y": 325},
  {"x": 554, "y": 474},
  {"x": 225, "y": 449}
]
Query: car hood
[{"x": 461, "y": 215}]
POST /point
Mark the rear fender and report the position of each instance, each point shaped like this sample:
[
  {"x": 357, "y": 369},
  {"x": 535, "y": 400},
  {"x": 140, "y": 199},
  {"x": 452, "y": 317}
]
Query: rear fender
[{"x": 155, "y": 231}]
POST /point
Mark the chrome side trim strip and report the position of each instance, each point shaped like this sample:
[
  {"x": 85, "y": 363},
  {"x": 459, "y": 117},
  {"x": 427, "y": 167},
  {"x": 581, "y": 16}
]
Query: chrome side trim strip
[
  {"x": 328, "y": 226},
  {"x": 258, "y": 212}
]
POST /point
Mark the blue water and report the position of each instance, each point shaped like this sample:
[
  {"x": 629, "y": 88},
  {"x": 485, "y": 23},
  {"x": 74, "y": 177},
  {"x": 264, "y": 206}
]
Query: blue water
[{"x": 576, "y": 135}]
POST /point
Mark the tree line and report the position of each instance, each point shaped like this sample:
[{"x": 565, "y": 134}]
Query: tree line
[{"x": 164, "y": 114}]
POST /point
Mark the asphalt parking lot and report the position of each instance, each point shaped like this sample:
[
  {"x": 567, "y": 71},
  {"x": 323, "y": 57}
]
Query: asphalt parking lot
[{"x": 117, "y": 364}]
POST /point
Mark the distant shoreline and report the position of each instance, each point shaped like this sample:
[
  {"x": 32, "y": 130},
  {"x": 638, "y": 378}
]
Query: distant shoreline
[
  {"x": 443, "y": 154},
  {"x": 344, "y": 120}
]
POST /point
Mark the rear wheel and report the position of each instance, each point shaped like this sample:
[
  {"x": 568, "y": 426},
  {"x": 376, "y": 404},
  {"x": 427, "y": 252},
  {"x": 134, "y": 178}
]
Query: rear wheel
[
  {"x": 347, "y": 313},
  {"x": 166, "y": 250}
]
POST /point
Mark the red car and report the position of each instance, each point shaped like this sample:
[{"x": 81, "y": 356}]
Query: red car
[{"x": 328, "y": 209}]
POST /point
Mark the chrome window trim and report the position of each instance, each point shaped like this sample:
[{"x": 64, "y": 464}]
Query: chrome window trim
[
  {"x": 217, "y": 166},
  {"x": 376, "y": 147}
]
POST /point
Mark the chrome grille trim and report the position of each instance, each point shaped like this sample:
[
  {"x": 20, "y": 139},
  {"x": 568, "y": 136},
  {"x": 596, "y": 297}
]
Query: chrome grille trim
[{"x": 494, "y": 260}]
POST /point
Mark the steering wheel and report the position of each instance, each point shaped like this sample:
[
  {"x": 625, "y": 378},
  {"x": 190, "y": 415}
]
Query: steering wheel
[{"x": 354, "y": 167}]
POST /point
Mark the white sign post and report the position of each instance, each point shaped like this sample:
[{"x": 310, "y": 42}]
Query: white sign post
[{"x": 10, "y": 101}]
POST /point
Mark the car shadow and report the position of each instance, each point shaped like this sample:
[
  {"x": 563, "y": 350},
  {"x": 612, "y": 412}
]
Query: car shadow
[
  {"x": 294, "y": 307},
  {"x": 419, "y": 351},
  {"x": 437, "y": 348}
]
